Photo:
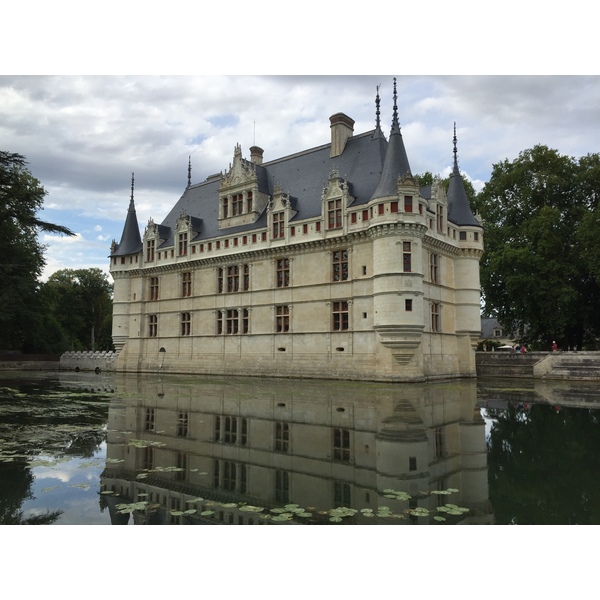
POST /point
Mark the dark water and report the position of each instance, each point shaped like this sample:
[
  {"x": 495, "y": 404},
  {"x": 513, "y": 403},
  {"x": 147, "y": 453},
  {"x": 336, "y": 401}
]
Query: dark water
[{"x": 80, "y": 448}]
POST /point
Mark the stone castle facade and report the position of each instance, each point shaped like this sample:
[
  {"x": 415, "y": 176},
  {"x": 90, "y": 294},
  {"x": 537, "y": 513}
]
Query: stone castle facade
[{"x": 329, "y": 263}]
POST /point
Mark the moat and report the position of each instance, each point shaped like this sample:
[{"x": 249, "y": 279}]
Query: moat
[{"x": 86, "y": 448}]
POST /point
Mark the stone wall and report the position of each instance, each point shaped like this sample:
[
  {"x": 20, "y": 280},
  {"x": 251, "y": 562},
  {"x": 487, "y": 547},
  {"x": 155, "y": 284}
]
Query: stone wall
[
  {"x": 540, "y": 365},
  {"x": 88, "y": 361}
]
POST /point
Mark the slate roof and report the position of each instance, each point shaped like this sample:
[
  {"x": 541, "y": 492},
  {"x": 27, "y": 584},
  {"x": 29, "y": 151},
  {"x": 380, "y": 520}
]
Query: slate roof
[
  {"x": 302, "y": 176},
  {"x": 369, "y": 163},
  {"x": 131, "y": 241},
  {"x": 459, "y": 211}
]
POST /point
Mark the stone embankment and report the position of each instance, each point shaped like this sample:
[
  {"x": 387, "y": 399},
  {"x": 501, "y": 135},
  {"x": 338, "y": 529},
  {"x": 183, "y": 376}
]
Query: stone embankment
[
  {"x": 88, "y": 361},
  {"x": 584, "y": 366}
]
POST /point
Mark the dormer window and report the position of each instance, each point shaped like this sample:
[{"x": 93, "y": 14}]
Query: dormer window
[
  {"x": 334, "y": 214},
  {"x": 278, "y": 225},
  {"x": 240, "y": 201},
  {"x": 237, "y": 204},
  {"x": 183, "y": 244},
  {"x": 150, "y": 247},
  {"x": 335, "y": 199}
]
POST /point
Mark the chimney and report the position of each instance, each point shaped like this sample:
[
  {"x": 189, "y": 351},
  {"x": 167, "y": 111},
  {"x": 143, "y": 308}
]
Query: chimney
[
  {"x": 256, "y": 155},
  {"x": 342, "y": 128}
]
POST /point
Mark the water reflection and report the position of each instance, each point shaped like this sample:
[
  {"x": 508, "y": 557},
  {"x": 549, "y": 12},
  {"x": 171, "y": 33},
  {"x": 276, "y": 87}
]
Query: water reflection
[{"x": 238, "y": 451}]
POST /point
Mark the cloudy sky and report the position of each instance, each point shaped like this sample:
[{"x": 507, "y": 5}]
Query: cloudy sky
[{"x": 84, "y": 135}]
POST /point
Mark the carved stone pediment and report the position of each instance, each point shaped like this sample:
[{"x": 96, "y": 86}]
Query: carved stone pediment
[
  {"x": 337, "y": 187},
  {"x": 241, "y": 171}
]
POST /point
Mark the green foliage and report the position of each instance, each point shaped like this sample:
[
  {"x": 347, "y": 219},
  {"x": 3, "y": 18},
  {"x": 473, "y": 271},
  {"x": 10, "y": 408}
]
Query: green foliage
[
  {"x": 539, "y": 268},
  {"x": 21, "y": 254},
  {"x": 80, "y": 302}
]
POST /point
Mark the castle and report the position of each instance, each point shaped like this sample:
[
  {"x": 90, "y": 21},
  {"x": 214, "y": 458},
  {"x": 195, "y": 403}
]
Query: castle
[{"x": 329, "y": 263}]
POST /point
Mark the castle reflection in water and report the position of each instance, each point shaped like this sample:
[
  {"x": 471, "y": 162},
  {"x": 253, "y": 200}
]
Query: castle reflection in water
[{"x": 187, "y": 446}]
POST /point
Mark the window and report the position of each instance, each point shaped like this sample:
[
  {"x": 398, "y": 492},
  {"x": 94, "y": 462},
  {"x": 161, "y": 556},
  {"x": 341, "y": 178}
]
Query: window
[
  {"x": 408, "y": 305},
  {"x": 152, "y": 325},
  {"x": 282, "y": 319},
  {"x": 412, "y": 463},
  {"x": 440, "y": 218},
  {"x": 497, "y": 333},
  {"x": 238, "y": 278},
  {"x": 340, "y": 315},
  {"x": 231, "y": 430},
  {"x": 249, "y": 198},
  {"x": 149, "y": 420},
  {"x": 462, "y": 236},
  {"x": 245, "y": 320},
  {"x": 153, "y": 288},
  {"x": 282, "y": 436},
  {"x": 278, "y": 225},
  {"x": 230, "y": 433},
  {"x": 334, "y": 214},
  {"x": 406, "y": 257},
  {"x": 476, "y": 236},
  {"x": 182, "y": 466},
  {"x": 225, "y": 207},
  {"x": 150, "y": 246},
  {"x": 186, "y": 323},
  {"x": 365, "y": 215},
  {"x": 183, "y": 244},
  {"x": 340, "y": 265},
  {"x": 232, "y": 321},
  {"x": 237, "y": 204},
  {"x": 353, "y": 217},
  {"x": 433, "y": 267},
  {"x": 341, "y": 494},
  {"x": 230, "y": 476},
  {"x": 282, "y": 271},
  {"x": 282, "y": 486},
  {"x": 148, "y": 458},
  {"x": 394, "y": 207},
  {"x": 380, "y": 209},
  {"x": 341, "y": 444},
  {"x": 440, "y": 450},
  {"x": 182, "y": 424},
  {"x": 233, "y": 278},
  {"x": 408, "y": 204},
  {"x": 186, "y": 284},
  {"x": 220, "y": 280},
  {"x": 435, "y": 316}
]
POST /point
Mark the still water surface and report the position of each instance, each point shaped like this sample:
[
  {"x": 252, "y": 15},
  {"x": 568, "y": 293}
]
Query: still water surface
[{"x": 78, "y": 448}]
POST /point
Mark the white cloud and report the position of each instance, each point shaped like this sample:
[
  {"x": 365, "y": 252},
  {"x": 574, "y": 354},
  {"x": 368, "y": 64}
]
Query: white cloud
[{"x": 85, "y": 136}]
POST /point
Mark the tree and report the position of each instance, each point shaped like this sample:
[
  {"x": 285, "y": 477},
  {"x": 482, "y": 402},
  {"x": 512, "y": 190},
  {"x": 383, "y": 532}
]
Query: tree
[
  {"x": 534, "y": 275},
  {"x": 427, "y": 179},
  {"x": 21, "y": 254},
  {"x": 80, "y": 301}
]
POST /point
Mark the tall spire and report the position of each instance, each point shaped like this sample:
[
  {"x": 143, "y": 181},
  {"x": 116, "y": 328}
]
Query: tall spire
[
  {"x": 396, "y": 163},
  {"x": 189, "y": 171},
  {"x": 455, "y": 171},
  {"x": 377, "y": 133},
  {"x": 395, "y": 123},
  {"x": 131, "y": 199},
  {"x": 459, "y": 210}
]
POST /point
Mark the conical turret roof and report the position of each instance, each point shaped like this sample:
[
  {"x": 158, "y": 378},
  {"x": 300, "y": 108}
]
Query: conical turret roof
[
  {"x": 459, "y": 210},
  {"x": 396, "y": 161},
  {"x": 131, "y": 241}
]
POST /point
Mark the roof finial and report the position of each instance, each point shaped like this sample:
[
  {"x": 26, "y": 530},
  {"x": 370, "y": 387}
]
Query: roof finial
[
  {"x": 132, "y": 182},
  {"x": 395, "y": 124},
  {"x": 189, "y": 171},
  {"x": 455, "y": 152},
  {"x": 377, "y": 111}
]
